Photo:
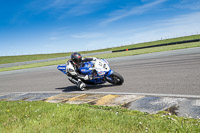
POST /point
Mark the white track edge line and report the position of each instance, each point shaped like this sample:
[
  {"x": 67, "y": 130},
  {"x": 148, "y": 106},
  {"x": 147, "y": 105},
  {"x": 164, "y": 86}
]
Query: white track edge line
[{"x": 117, "y": 93}]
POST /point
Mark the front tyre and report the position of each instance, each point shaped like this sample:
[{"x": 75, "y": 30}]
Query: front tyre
[{"x": 115, "y": 78}]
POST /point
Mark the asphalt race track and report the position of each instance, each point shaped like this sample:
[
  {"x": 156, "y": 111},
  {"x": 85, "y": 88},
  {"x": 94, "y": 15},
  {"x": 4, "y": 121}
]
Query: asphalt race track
[{"x": 175, "y": 72}]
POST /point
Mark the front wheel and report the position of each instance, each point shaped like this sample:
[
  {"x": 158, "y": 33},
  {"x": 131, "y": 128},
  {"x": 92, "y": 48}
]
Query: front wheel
[{"x": 115, "y": 78}]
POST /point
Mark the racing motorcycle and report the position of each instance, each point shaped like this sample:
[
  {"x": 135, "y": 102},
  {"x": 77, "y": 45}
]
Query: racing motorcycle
[{"x": 99, "y": 70}]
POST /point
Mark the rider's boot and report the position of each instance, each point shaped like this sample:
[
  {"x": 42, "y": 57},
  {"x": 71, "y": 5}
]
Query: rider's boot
[{"x": 81, "y": 85}]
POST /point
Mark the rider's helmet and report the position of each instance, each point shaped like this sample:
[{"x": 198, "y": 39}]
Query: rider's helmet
[{"x": 76, "y": 58}]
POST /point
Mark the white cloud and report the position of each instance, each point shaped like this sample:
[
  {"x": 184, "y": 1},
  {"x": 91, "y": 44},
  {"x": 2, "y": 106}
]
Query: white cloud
[
  {"x": 175, "y": 27},
  {"x": 53, "y": 38},
  {"x": 119, "y": 14},
  {"x": 188, "y": 4},
  {"x": 87, "y": 35},
  {"x": 43, "y": 5},
  {"x": 146, "y": 1},
  {"x": 187, "y": 19},
  {"x": 178, "y": 26},
  {"x": 62, "y": 8}
]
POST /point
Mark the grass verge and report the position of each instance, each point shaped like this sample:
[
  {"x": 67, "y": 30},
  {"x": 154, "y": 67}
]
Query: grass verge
[
  {"x": 150, "y": 50},
  {"x": 21, "y": 116},
  {"x": 22, "y": 58},
  {"x": 110, "y": 55},
  {"x": 33, "y": 65}
]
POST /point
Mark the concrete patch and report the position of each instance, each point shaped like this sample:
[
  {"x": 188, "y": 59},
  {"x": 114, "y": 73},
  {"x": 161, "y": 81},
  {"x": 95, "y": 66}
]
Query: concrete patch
[
  {"x": 29, "y": 96},
  {"x": 22, "y": 97},
  {"x": 189, "y": 108},
  {"x": 9, "y": 96},
  {"x": 125, "y": 99},
  {"x": 154, "y": 104}
]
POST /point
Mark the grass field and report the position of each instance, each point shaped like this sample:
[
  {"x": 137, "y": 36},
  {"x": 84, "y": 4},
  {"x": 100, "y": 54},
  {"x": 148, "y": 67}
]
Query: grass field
[
  {"x": 110, "y": 55},
  {"x": 21, "y": 116},
  {"x": 150, "y": 50},
  {"x": 12, "y": 59},
  {"x": 159, "y": 42}
]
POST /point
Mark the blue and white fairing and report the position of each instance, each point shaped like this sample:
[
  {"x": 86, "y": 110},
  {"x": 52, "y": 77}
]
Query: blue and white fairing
[
  {"x": 62, "y": 68},
  {"x": 102, "y": 69}
]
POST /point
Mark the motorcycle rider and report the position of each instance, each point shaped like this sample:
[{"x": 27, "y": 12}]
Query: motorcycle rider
[{"x": 75, "y": 75}]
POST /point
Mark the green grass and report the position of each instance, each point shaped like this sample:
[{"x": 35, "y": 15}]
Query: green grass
[
  {"x": 150, "y": 50},
  {"x": 34, "y": 65},
  {"x": 21, "y": 116},
  {"x": 110, "y": 55},
  {"x": 159, "y": 42},
  {"x": 22, "y": 58}
]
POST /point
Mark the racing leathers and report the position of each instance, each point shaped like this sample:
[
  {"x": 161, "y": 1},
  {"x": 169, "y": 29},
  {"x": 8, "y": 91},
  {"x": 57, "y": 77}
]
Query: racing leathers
[{"x": 74, "y": 74}]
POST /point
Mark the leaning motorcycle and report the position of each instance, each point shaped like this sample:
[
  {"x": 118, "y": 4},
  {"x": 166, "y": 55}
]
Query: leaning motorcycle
[{"x": 99, "y": 71}]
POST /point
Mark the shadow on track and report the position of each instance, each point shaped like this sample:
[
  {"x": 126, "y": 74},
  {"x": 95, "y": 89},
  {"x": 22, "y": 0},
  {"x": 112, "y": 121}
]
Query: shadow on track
[{"x": 74, "y": 88}]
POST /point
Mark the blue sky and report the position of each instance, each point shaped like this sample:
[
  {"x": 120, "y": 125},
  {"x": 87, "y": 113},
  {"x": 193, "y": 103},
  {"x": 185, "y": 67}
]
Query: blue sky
[{"x": 52, "y": 26}]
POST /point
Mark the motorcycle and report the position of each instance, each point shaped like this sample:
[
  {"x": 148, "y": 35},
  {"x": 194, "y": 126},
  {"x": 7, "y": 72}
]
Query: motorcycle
[{"x": 99, "y": 72}]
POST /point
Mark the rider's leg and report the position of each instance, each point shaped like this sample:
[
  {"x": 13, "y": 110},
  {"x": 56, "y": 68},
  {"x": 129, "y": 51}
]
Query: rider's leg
[{"x": 80, "y": 84}]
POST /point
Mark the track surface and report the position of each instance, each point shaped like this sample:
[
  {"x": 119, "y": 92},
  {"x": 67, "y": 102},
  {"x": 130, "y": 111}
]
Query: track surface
[{"x": 174, "y": 72}]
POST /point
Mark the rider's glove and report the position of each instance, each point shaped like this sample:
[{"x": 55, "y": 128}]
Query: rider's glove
[
  {"x": 86, "y": 77},
  {"x": 94, "y": 58}
]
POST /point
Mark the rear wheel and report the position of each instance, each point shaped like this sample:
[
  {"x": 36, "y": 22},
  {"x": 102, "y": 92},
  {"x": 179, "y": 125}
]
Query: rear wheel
[{"x": 115, "y": 78}]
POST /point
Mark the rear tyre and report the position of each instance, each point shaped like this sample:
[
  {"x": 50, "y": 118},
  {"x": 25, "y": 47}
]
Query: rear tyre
[{"x": 115, "y": 79}]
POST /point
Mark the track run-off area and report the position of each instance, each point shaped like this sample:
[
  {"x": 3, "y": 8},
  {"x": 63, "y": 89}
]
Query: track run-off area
[{"x": 170, "y": 73}]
